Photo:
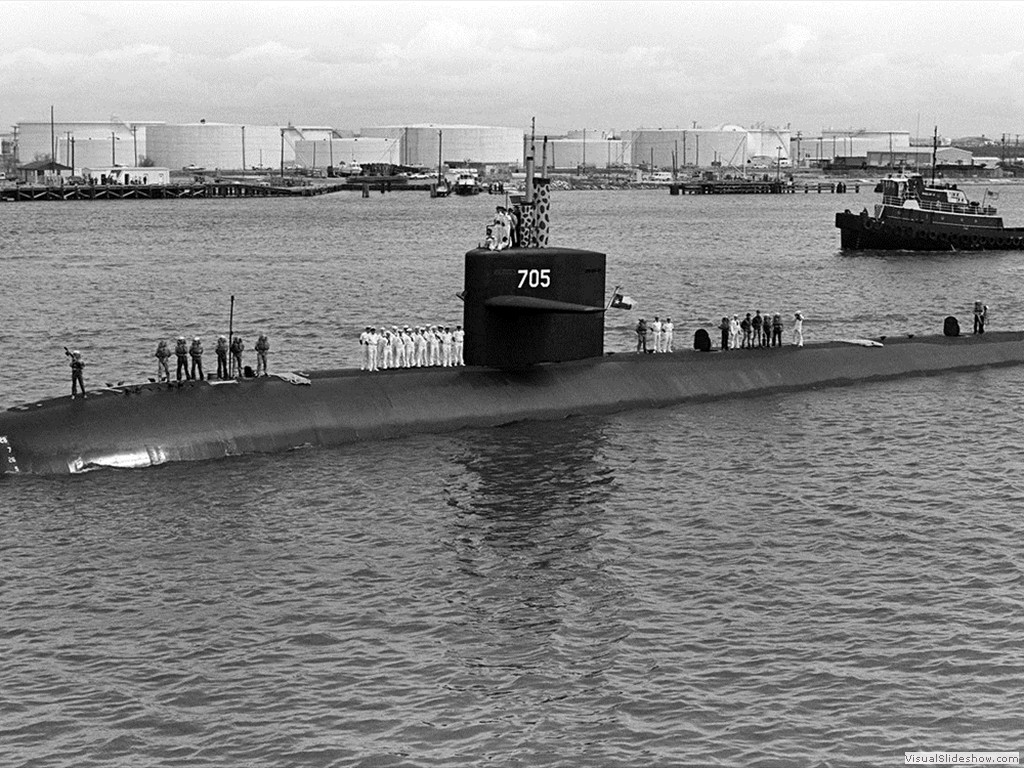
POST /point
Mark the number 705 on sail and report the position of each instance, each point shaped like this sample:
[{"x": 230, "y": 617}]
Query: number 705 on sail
[{"x": 534, "y": 278}]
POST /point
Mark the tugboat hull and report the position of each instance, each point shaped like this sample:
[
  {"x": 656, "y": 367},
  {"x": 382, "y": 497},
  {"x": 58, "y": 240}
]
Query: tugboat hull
[{"x": 918, "y": 230}]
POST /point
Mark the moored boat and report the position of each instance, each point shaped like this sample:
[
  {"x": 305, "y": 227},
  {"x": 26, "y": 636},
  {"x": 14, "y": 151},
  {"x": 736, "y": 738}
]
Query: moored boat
[{"x": 916, "y": 216}]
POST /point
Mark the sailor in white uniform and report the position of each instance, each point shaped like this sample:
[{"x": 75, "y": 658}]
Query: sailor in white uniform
[
  {"x": 446, "y": 346},
  {"x": 458, "y": 341},
  {"x": 384, "y": 350},
  {"x": 798, "y": 329},
  {"x": 421, "y": 347},
  {"x": 734, "y": 332},
  {"x": 656, "y": 331},
  {"x": 372, "y": 345},
  {"x": 364, "y": 350},
  {"x": 667, "y": 329},
  {"x": 410, "y": 348},
  {"x": 433, "y": 346}
]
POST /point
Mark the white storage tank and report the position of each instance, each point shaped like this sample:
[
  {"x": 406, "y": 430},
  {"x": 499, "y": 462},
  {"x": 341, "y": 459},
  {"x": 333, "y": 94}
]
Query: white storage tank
[
  {"x": 575, "y": 151},
  {"x": 418, "y": 144},
  {"x": 89, "y": 136},
  {"x": 348, "y": 151},
  {"x": 218, "y": 145}
]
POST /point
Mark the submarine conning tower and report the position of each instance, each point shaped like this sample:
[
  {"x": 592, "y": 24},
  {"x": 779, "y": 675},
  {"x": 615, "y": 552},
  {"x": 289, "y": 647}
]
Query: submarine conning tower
[
  {"x": 533, "y": 305},
  {"x": 526, "y": 303}
]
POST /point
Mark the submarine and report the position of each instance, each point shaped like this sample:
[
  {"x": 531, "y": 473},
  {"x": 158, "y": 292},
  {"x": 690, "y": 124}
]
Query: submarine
[{"x": 534, "y": 333}]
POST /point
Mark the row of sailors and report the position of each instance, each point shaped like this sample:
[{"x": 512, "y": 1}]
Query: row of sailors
[
  {"x": 194, "y": 352},
  {"x": 411, "y": 347}
]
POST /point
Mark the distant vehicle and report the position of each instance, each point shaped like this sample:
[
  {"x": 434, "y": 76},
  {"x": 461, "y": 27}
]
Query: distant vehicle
[
  {"x": 193, "y": 168},
  {"x": 466, "y": 184}
]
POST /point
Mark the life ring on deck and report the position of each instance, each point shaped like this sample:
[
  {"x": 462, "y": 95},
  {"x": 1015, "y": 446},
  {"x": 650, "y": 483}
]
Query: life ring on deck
[
  {"x": 870, "y": 225},
  {"x": 933, "y": 235}
]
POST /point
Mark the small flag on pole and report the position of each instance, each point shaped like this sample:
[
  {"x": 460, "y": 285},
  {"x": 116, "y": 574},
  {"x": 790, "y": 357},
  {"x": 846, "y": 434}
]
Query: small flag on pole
[{"x": 620, "y": 301}]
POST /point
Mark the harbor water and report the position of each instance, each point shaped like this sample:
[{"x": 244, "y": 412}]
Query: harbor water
[{"x": 824, "y": 578}]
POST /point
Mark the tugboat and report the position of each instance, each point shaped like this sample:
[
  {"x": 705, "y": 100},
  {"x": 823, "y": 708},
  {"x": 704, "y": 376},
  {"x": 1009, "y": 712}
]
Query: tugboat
[{"x": 915, "y": 216}]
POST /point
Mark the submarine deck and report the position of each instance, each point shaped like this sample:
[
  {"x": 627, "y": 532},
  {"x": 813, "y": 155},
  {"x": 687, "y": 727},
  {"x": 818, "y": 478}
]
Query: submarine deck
[{"x": 147, "y": 424}]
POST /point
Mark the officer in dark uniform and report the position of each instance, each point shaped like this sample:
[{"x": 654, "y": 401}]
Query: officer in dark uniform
[
  {"x": 161, "y": 355},
  {"x": 181, "y": 352},
  {"x": 262, "y": 347},
  {"x": 196, "y": 351},
  {"x": 222, "y": 357},
  {"x": 237, "y": 345},
  {"x": 77, "y": 364}
]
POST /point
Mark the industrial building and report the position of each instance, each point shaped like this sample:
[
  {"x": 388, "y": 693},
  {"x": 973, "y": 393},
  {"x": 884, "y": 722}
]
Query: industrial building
[
  {"x": 126, "y": 175},
  {"x": 341, "y": 152},
  {"x": 833, "y": 143},
  {"x": 730, "y": 146},
  {"x": 918, "y": 157},
  {"x": 579, "y": 149},
  {"x": 459, "y": 144},
  {"x": 228, "y": 146},
  {"x": 83, "y": 142}
]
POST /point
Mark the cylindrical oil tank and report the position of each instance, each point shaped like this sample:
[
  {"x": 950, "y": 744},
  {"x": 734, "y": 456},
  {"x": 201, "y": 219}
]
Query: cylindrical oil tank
[
  {"x": 348, "y": 151},
  {"x": 218, "y": 145},
  {"x": 459, "y": 143}
]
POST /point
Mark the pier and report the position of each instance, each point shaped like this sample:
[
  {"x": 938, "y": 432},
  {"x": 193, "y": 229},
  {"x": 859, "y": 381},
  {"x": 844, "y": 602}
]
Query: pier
[
  {"x": 205, "y": 190},
  {"x": 744, "y": 187}
]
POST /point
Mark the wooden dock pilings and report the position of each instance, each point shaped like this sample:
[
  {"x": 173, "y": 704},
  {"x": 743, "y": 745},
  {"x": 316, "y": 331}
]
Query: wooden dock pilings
[
  {"x": 161, "y": 191},
  {"x": 742, "y": 187}
]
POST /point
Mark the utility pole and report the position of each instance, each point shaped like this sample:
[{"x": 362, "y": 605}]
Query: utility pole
[
  {"x": 282, "y": 154},
  {"x": 243, "y": 149}
]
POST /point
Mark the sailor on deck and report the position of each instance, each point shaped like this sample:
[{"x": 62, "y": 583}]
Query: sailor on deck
[
  {"x": 372, "y": 341},
  {"x": 420, "y": 341},
  {"x": 798, "y": 329},
  {"x": 237, "y": 345},
  {"x": 222, "y": 357},
  {"x": 458, "y": 342},
  {"x": 641, "y": 336},
  {"x": 656, "y": 332},
  {"x": 196, "y": 351},
  {"x": 667, "y": 329},
  {"x": 446, "y": 346},
  {"x": 364, "y": 349},
  {"x": 399, "y": 353},
  {"x": 77, "y": 364},
  {"x": 410, "y": 347},
  {"x": 262, "y": 347},
  {"x": 433, "y": 346},
  {"x": 181, "y": 352},
  {"x": 381, "y": 361},
  {"x": 163, "y": 373}
]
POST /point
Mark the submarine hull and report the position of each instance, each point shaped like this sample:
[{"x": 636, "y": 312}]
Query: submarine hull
[{"x": 151, "y": 424}]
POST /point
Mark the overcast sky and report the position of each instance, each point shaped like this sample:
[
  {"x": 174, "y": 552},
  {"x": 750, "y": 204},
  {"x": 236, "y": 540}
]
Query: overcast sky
[{"x": 598, "y": 65}]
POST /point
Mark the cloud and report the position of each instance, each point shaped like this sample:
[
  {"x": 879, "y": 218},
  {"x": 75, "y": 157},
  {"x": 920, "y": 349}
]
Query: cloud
[
  {"x": 793, "y": 41},
  {"x": 528, "y": 39}
]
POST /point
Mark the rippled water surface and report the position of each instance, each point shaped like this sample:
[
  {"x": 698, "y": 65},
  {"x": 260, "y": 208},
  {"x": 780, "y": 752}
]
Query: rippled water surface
[{"x": 823, "y": 578}]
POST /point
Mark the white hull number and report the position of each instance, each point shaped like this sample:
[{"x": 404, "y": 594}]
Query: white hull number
[{"x": 535, "y": 278}]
